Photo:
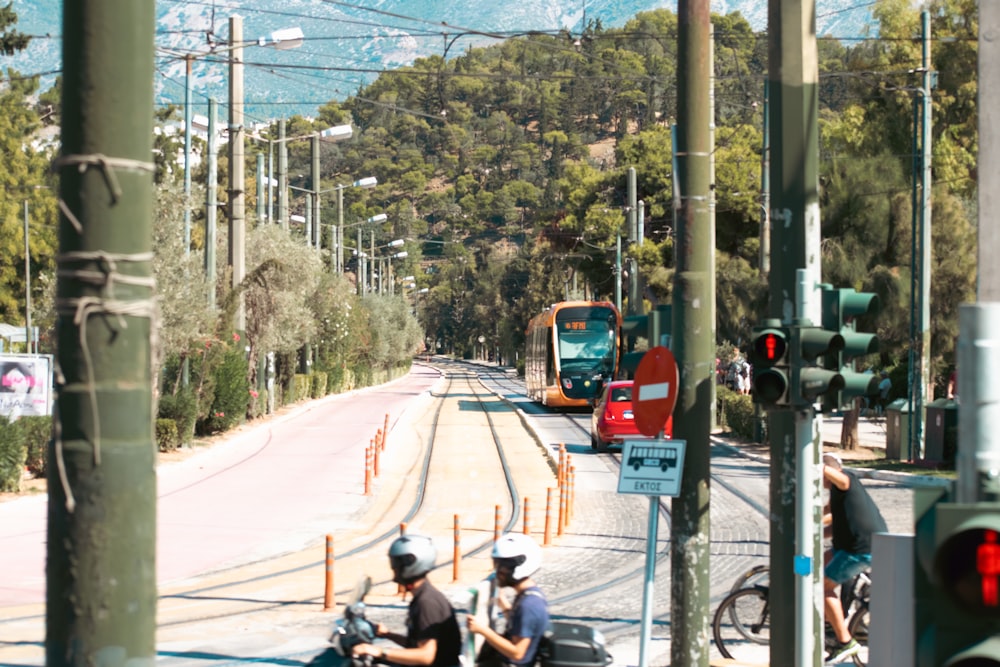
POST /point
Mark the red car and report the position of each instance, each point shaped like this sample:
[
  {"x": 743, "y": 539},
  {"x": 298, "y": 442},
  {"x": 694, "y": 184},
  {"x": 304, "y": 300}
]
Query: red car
[{"x": 613, "y": 422}]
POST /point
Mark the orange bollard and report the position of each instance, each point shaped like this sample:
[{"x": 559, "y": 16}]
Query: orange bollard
[
  {"x": 561, "y": 520},
  {"x": 375, "y": 457},
  {"x": 561, "y": 468},
  {"x": 385, "y": 430},
  {"x": 368, "y": 471},
  {"x": 378, "y": 439},
  {"x": 548, "y": 517},
  {"x": 496, "y": 523},
  {"x": 457, "y": 556},
  {"x": 527, "y": 516},
  {"x": 328, "y": 603}
]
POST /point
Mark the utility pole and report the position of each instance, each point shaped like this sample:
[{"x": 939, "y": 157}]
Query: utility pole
[
  {"x": 922, "y": 377},
  {"x": 693, "y": 338},
  {"x": 211, "y": 205},
  {"x": 101, "y": 543},
  {"x": 795, "y": 496},
  {"x": 988, "y": 283},
  {"x": 282, "y": 176},
  {"x": 317, "y": 235},
  {"x": 765, "y": 191},
  {"x": 634, "y": 300},
  {"x": 237, "y": 174}
]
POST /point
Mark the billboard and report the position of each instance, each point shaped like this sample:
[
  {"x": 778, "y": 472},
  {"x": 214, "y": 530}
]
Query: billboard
[{"x": 25, "y": 385}]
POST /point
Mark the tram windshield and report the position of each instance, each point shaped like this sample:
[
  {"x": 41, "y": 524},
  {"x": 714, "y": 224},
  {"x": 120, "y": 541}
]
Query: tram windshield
[{"x": 587, "y": 343}]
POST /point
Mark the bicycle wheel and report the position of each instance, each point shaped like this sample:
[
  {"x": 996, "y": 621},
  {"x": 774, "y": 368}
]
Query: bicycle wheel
[
  {"x": 741, "y": 625},
  {"x": 758, "y": 574},
  {"x": 858, "y": 627}
]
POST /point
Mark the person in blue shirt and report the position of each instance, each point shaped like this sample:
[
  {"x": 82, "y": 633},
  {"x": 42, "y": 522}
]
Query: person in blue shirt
[{"x": 515, "y": 558}]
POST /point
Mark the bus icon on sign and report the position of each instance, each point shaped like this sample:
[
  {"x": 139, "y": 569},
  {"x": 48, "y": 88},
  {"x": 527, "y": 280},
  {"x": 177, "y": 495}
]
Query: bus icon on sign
[{"x": 663, "y": 458}]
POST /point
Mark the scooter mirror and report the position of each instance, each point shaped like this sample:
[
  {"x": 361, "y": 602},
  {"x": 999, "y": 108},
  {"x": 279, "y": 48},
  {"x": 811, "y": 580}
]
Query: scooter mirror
[{"x": 361, "y": 589}]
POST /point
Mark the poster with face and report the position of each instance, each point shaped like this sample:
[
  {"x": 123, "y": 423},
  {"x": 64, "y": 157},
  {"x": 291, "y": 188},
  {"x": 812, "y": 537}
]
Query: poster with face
[{"x": 25, "y": 385}]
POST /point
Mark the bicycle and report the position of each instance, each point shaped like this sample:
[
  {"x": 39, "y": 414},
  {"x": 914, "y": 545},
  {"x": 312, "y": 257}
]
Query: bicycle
[{"x": 741, "y": 621}]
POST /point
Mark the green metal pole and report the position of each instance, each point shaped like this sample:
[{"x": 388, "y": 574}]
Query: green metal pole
[
  {"x": 795, "y": 252},
  {"x": 693, "y": 339},
  {"x": 101, "y": 542}
]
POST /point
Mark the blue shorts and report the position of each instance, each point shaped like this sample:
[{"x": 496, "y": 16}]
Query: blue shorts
[{"x": 844, "y": 566}]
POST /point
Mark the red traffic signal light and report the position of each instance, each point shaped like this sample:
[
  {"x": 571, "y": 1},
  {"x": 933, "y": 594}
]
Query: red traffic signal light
[
  {"x": 968, "y": 563},
  {"x": 769, "y": 358},
  {"x": 770, "y": 347}
]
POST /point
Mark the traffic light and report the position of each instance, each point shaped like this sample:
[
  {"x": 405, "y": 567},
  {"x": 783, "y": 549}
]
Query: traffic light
[
  {"x": 655, "y": 327},
  {"x": 840, "y": 308},
  {"x": 769, "y": 358},
  {"x": 957, "y": 585},
  {"x": 809, "y": 380}
]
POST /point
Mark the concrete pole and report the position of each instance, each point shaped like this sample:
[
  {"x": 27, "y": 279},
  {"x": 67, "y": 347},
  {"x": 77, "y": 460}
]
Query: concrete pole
[
  {"x": 187, "y": 154},
  {"x": 693, "y": 339},
  {"x": 211, "y": 206},
  {"x": 765, "y": 192},
  {"x": 988, "y": 283},
  {"x": 27, "y": 283},
  {"x": 237, "y": 194},
  {"x": 978, "y": 459},
  {"x": 282, "y": 176},
  {"x": 317, "y": 236},
  {"x": 261, "y": 189},
  {"x": 100, "y": 565},
  {"x": 340, "y": 229},
  {"x": 926, "y": 152}
]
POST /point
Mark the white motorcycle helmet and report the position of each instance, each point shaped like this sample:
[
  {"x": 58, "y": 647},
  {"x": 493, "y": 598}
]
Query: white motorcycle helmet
[
  {"x": 411, "y": 557},
  {"x": 518, "y": 553}
]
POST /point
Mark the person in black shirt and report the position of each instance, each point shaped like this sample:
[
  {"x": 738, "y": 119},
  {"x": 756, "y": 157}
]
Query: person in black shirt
[
  {"x": 432, "y": 634},
  {"x": 852, "y": 519}
]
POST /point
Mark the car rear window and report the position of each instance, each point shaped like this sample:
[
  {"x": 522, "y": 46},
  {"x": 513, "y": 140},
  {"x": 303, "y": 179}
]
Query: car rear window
[{"x": 621, "y": 394}]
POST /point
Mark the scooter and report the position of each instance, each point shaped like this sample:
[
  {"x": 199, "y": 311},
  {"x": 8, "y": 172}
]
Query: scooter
[{"x": 354, "y": 628}]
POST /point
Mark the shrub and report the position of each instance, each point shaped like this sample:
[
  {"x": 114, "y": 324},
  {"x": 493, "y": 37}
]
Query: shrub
[
  {"x": 318, "y": 389},
  {"x": 300, "y": 387},
  {"x": 37, "y": 433},
  {"x": 12, "y": 455},
  {"x": 167, "y": 436},
  {"x": 181, "y": 407},
  {"x": 232, "y": 394},
  {"x": 736, "y": 412},
  {"x": 258, "y": 403}
]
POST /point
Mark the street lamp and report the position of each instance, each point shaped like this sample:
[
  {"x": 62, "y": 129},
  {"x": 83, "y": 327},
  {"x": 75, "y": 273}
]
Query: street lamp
[{"x": 327, "y": 135}]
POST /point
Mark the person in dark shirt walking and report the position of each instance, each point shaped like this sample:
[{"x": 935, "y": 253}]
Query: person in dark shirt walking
[
  {"x": 432, "y": 637},
  {"x": 852, "y": 520}
]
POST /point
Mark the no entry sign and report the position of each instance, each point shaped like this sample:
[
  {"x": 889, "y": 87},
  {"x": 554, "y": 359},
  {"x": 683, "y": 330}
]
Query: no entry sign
[{"x": 654, "y": 392}]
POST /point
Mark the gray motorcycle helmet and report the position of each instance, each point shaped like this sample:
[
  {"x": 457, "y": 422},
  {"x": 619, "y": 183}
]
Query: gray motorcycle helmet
[{"x": 411, "y": 557}]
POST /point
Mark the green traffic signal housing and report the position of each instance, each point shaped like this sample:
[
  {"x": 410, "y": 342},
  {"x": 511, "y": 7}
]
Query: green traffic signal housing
[
  {"x": 957, "y": 585},
  {"x": 809, "y": 381},
  {"x": 769, "y": 358},
  {"x": 654, "y": 327},
  {"x": 840, "y": 309}
]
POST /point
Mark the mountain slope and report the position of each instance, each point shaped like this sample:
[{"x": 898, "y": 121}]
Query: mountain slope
[{"x": 347, "y": 44}]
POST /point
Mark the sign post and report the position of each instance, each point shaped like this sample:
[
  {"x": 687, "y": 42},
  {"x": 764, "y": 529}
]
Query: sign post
[{"x": 652, "y": 467}]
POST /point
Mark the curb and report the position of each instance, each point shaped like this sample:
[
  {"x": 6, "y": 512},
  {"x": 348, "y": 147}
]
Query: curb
[{"x": 901, "y": 478}]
